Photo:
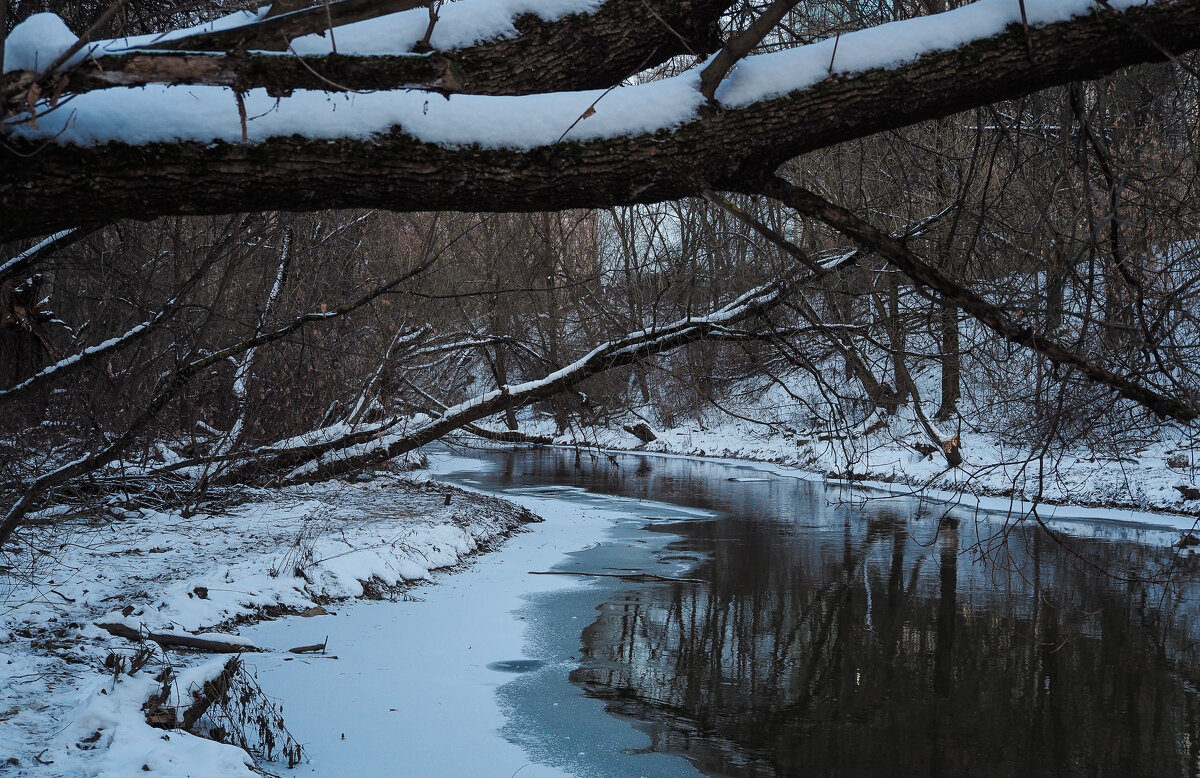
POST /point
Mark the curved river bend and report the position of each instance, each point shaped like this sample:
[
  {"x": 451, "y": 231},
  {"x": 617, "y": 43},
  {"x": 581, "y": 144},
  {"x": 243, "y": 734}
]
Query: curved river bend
[{"x": 788, "y": 628}]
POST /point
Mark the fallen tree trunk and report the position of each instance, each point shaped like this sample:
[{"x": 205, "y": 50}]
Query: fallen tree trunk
[
  {"x": 348, "y": 453},
  {"x": 47, "y": 183},
  {"x": 175, "y": 640},
  {"x": 507, "y": 436}
]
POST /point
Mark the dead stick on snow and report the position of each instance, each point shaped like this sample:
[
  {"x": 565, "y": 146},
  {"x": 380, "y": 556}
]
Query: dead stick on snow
[
  {"x": 307, "y": 649},
  {"x": 169, "y": 640}
]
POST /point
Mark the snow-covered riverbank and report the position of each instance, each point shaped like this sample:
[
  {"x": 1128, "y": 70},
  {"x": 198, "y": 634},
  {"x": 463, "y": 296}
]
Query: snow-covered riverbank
[
  {"x": 1160, "y": 475},
  {"x": 70, "y": 697},
  {"x": 414, "y": 691},
  {"x": 71, "y": 693}
]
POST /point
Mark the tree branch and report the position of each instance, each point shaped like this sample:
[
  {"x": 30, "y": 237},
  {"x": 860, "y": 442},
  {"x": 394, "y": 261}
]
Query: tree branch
[
  {"x": 46, "y": 185},
  {"x": 351, "y": 452},
  {"x": 990, "y": 315},
  {"x": 577, "y": 52},
  {"x": 177, "y": 382},
  {"x": 28, "y": 258},
  {"x": 93, "y": 354},
  {"x": 274, "y": 33},
  {"x": 279, "y": 75},
  {"x": 741, "y": 45}
]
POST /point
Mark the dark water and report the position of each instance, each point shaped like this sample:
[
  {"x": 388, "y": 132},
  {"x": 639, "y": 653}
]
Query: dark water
[{"x": 828, "y": 636}]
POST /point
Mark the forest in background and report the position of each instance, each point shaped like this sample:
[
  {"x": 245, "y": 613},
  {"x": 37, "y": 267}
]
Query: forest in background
[{"x": 164, "y": 360}]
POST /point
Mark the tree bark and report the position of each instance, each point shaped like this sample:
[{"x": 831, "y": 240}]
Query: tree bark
[
  {"x": 951, "y": 361},
  {"x": 46, "y": 186},
  {"x": 579, "y": 51},
  {"x": 174, "y": 640}
]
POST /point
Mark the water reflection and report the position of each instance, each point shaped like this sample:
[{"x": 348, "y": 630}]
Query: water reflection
[{"x": 837, "y": 639}]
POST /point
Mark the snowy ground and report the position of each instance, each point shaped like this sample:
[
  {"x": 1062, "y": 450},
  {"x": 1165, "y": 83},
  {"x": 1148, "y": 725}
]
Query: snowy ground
[
  {"x": 886, "y": 453},
  {"x": 69, "y": 703}
]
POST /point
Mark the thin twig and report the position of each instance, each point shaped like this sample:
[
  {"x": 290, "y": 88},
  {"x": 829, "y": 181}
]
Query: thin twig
[
  {"x": 329, "y": 21},
  {"x": 1028, "y": 35},
  {"x": 591, "y": 109},
  {"x": 671, "y": 29},
  {"x": 309, "y": 68},
  {"x": 833, "y": 56}
]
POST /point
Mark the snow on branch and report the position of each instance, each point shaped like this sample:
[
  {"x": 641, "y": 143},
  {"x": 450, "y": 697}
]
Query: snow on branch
[
  {"x": 539, "y": 120},
  {"x": 494, "y": 47},
  {"x": 379, "y": 442},
  {"x": 643, "y": 143},
  {"x": 46, "y": 246},
  {"x": 93, "y": 354},
  {"x": 275, "y": 33},
  {"x": 343, "y": 447}
]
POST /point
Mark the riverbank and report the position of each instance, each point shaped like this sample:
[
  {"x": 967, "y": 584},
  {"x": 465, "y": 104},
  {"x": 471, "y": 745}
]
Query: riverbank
[
  {"x": 471, "y": 674},
  {"x": 1160, "y": 475},
  {"x": 72, "y": 692}
]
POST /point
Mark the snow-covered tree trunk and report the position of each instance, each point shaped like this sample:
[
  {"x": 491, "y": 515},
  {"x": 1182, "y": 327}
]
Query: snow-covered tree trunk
[{"x": 644, "y": 143}]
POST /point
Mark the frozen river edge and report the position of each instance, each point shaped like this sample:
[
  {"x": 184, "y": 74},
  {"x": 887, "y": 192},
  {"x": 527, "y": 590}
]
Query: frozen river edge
[
  {"x": 69, "y": 703},
  {"x": 65, "y": 711}
]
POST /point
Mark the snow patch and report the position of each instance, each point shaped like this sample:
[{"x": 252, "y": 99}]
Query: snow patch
[
  {"x": 127, "y": 745},
  {"x": 36, "y": 42},
  {"x": 210, "y": 114},
  {"x": 189, "y": 576},
  {"x": 460, "y": 24}
]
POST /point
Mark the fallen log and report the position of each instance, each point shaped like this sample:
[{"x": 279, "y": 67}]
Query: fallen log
[
  {"x": 175, "y": 640},
  {"x": 508, "y": 436},
  {"x": 641, "y": 431},
  {"x": 215, "y": 690}
]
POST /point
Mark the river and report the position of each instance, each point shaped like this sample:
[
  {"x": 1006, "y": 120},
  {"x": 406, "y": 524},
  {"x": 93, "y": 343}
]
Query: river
[{"x": 788, "y": 627}]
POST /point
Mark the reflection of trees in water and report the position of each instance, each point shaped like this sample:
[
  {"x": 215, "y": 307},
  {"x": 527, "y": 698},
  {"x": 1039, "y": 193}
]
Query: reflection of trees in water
[{"x": 862, "y": 650}]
